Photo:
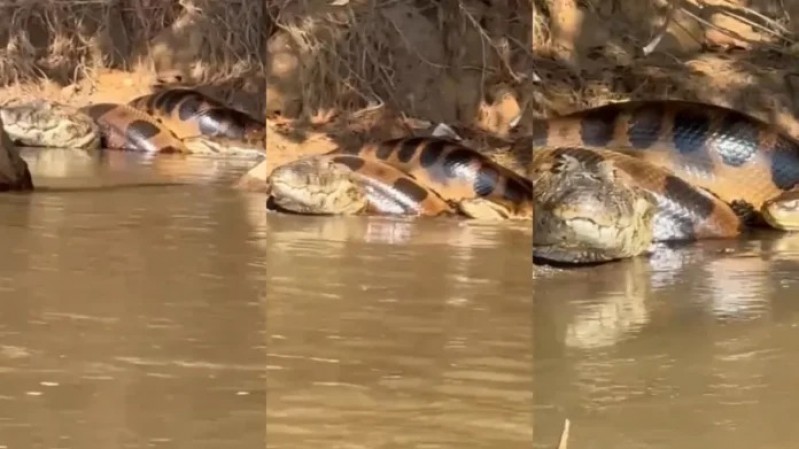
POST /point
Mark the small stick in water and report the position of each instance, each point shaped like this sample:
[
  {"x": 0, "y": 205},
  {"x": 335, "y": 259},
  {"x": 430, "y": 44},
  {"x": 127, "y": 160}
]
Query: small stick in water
[{"x": 564, "y": 437}]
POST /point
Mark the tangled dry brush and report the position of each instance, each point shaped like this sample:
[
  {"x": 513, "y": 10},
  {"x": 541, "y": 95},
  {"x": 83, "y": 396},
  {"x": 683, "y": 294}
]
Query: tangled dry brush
[{"x": 65, "y": 41}]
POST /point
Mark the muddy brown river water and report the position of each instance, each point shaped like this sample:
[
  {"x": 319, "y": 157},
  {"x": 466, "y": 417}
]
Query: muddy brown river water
[
  {"x": 387, "y": 333},
  {"x": 136, "y": 313},
  {"x": 131, "y": 317},
  {"x": 693, "y": 348}
]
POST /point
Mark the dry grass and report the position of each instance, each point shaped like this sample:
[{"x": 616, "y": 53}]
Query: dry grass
[
  {"x": 409, "y": 56},
  {"x": 66, "y": 41},
  {"x": 733, "y": 53},
  {"x": 766, "y": 24},
  {"x": 541, "y": 35}
]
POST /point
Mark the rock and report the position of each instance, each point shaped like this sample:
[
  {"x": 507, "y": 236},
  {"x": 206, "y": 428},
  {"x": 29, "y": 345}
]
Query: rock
[{"x": 14, "y": 171}]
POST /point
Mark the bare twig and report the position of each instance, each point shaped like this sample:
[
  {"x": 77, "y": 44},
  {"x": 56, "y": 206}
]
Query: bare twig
[{"x": 650, "y": 47}]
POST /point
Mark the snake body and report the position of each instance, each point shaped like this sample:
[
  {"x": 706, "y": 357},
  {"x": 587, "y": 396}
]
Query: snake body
[
  {"x": 188, "y": 113},
  {"x": 147, "y": 124},
  {"x": 464, "y": 179},
  {"x": 124, "y": 127},
  {"x": 349, "y": 184},
  {"x": 174, "y": 120},
  {"x": 712, "y": 169}
]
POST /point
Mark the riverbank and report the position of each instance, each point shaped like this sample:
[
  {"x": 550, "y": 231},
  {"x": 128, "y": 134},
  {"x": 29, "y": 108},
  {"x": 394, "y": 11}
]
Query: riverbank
[
  {"x": 344, "y": 75},
  {"x": 720, "y": 52}
]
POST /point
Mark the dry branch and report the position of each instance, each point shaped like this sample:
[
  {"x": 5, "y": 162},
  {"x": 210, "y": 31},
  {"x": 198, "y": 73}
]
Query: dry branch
[
  {"x": 66, "y": 41},
  {"x": 360, "y": 54}
]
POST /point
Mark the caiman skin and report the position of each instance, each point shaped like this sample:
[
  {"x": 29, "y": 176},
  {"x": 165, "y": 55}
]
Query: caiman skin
[
  {"x": 740, "y": 161},
  {"x": 189, "y": 113},
  {"x": 479, "y": 187},
  {"x": 41, "y": 123},
  {"x": 124, "y": 127},
  {"x": 597, "y": 206},
  {"x": 345, "y": 184}
]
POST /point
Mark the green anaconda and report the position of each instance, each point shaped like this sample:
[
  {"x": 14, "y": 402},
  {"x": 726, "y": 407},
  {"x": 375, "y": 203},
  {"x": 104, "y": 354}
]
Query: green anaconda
[
  {"x": 144, "y": 125},
  {"x": 190, "y": 113},
  {"x": 417, "y": 175},
  {"x": 224, "y": 132},
  {"x": 611, "y": 180}
]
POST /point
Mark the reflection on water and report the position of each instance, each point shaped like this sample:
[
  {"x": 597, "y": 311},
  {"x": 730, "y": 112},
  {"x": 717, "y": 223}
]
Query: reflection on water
[
  {"x": 59, "y": 168},
  {"x": 693, "y": 348},
  {"x": 131, "y": 318},
  {"x": 390, "y": 333}
]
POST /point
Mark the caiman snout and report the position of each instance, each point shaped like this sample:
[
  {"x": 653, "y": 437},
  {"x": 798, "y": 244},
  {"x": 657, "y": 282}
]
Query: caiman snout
[
  {"x": 587, "y": 214},
  {"x": 314, "y": 185}
]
